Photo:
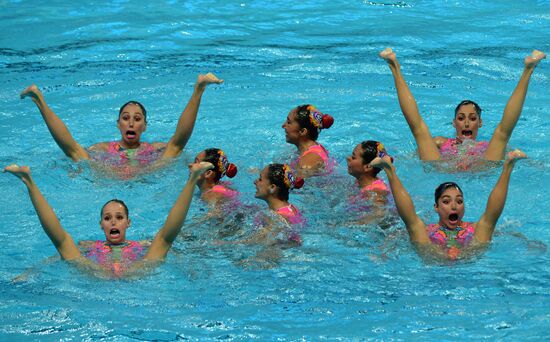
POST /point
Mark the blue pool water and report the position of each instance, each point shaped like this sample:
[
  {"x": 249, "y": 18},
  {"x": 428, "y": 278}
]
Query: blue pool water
[{"x": 347, "y": 280}]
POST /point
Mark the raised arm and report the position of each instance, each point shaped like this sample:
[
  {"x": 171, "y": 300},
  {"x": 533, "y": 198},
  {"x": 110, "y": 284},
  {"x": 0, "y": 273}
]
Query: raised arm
[
  {"x": 427, "y": 148},
  {"x": 186, "y": 122},
  {"x": 512, "y": 111},
  {"x": 176, "y": 217},
  {"x": 57, "y": 128},
  {"x": 49, "y": 221},
  {"x": 405, "y": 207},
  {"x": 495, "y": 204}
]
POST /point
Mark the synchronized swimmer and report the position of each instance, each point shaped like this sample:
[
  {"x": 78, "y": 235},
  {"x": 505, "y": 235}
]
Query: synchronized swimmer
[
  {"x": 129, "y": 151},
  {"x": 450, "y": 235},
  {"x": 212, "y": 189},
  {"x": 448, "y": 238},
  {"x": 467, "y": 119},
  {"x": 302, "y": 127},
  {"x": 116, "y": 256}
]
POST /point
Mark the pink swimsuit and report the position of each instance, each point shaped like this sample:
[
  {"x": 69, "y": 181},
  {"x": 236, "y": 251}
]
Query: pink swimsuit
[
  {"x": 320, "y": 151},
  {"x": 295, "y": 218},
  {"x": 224, "y": 191},
  {"x": 452, "y": 146},
  {"x": 361, "y": 202},
  {"x": 102, "y": 253},
  {"x": 142, "y": 155},
  {"x": 451, "y": 239},
  {"x": 377, "y": 185}
]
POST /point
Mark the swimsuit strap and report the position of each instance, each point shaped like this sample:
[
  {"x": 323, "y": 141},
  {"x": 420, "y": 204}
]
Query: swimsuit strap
[
  {"x": 132, "y": 252},
  {"x": 222, "y": 190},
  {"x": 114, "y": 147},
  {"x": 291, "y": 214},
  {"x": 449, "y": 146},
  {"x": 318, "y": 150},
  {"x": 377, "y": 185}
]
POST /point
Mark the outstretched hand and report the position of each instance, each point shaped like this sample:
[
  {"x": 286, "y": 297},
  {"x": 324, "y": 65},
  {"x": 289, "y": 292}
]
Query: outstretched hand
[
  {"x": 534, "y": 59},
  {"x": 204, "y": 80},
  {"x": 31, "y": 91},
  {"x": 21, "y": 172},
  {"x": 389, "y": 56},
  {"x": 382, "y": 163},
  {"x": 197, "y": 169}
]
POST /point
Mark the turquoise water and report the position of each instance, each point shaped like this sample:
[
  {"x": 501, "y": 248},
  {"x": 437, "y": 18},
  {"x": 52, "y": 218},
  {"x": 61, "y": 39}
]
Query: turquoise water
[{"x": 346, "y": 281}]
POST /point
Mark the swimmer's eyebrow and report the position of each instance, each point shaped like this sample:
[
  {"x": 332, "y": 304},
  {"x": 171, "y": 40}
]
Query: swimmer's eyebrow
[
  {"x": 126, "y": 112},
  {"x": 447, "y": 196},
  {"x": 114, "y": 213}
]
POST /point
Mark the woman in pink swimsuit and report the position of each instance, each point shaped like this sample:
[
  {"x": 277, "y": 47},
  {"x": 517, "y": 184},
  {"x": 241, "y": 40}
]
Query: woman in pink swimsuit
[
  {"x": 212, "y": 189},
  {"x": 302, "y": 128},
  {"x": 273, "y": 187},
  {"x": 366, "y": 175},
  {"x": 128, "y": 152},
  {"x": 372, "y": 199},
  {"x": 467, "y": 119},
  {"x": 116, "y": 256},
  {"x": 450, "y": 235}
]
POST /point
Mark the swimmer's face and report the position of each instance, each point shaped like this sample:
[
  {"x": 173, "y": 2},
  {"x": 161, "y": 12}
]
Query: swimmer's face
[
  {"x": 114, "y": 222},
  {"x": 131, "y": 123},
  {"x": 356, "y": 168},
  {"x": 292, "y": 128},
  {"x": 450, "y": 208},
  {"x": 200, "y": 157},
  {"x": 264, "y": 188},
  {"x": 467, "y": 122}
]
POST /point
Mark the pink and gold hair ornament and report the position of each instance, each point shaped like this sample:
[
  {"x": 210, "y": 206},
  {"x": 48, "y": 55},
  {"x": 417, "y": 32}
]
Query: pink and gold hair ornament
[
  {"x": 225, "y": 167},
  {"x": 382, "y": 151},
  {"x": 291, "y": 181},
  {"x": 318, "y": 119}
]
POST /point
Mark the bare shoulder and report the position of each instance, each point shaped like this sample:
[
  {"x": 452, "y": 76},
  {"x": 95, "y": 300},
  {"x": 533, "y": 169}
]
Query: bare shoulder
[
  {"x": 310, "y": 161},
  {"x": 99, "y": 147},
  {"x": 158, "y": 145},
  {"x": 144, "y": 243},
  {"x": 212, "y": 197},
  {"x": 439, "y": 141},
  {"x": 86, "y": 244}
]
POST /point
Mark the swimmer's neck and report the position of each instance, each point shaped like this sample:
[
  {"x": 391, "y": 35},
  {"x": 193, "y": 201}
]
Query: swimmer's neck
[
  {"x": 461, "y": 140},
  {"x": 205, "y": 185},
  {"x": 304, "y": 145},
  {"x": 275, "y": 203},
  {"x": 127, "y": 146},
  {"x": 365, "y": 180},
  {"x": 443, "y": 226},
  {"x": 123, "y": 243}
]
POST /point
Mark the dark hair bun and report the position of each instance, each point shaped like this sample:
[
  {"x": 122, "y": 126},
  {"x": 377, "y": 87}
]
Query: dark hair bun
[
  {"x": 298, "y": 183},
  {"x": 231, "y": 170},
  {"x": 327, "y": 121}
]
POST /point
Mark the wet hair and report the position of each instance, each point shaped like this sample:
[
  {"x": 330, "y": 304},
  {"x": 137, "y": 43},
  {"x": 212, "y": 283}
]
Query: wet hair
[
  {"x": 313, "y": 120},
  {"x": 444, "y": 186},
  {"x": 283, "y": 177},
  {"x": 116, "y": 201},
  {"x": 134, "y": 103},
  {"x": 468, "y": 102},
  {"x": 371, "y": 151},
  {"x": 222, "y": 166}
]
